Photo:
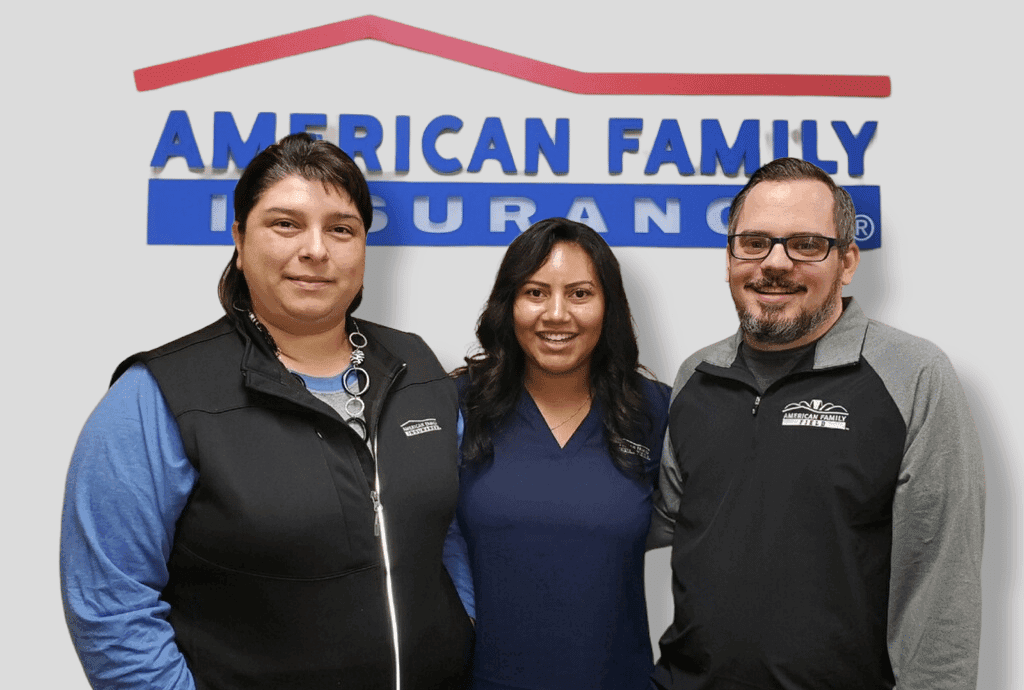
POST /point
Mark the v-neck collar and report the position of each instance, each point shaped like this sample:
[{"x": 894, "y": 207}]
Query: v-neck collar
[{"x": 527, "y": 408}]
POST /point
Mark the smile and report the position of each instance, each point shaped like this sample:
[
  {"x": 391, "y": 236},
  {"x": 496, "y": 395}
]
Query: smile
[
  {"x": 310, "y": 284},
  {"x": 557, "y": 337},
  {"x": 775, "y": 288}
]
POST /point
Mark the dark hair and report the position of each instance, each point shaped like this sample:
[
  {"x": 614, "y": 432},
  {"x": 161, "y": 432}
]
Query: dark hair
[
  {"x": 844, "y": 215},
  {"x": 308, "y": 158},
  {"x": 496, "y": 373}
]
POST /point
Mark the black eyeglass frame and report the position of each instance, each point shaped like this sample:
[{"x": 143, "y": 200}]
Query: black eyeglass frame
[{"x": 784, "y": 241}]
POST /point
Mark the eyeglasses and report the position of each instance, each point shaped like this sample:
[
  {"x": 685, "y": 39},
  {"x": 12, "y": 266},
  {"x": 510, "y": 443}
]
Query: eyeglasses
[{"x": 751, "y": 246}]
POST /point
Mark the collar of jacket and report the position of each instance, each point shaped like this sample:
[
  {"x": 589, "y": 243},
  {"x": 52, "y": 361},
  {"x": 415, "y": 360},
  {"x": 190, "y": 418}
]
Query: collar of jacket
[
  {"x": 840, "y": 346},
  {"x": 263, "y": 372}
]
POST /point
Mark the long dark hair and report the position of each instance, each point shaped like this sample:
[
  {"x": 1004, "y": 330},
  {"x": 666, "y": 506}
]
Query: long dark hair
[
  {"x": 496, "y": 372},
  {"x": 308, "y": 158}
]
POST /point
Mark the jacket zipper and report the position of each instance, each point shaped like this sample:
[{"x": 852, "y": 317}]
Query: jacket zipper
[
  {"x": 380, "y": 530},
  {"x": 757, "y": 404}
]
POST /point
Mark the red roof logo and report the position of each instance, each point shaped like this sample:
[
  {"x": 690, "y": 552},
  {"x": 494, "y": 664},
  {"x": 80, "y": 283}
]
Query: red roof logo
[{"x": 413, "y": 38}]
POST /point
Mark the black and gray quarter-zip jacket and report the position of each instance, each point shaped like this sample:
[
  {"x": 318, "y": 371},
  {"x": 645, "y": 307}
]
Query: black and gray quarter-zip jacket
[
  {"x": 306, "y": 557},
  {"x": 827, "y": 532}
]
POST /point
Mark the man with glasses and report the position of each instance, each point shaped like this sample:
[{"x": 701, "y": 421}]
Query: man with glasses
[{"x": 821, "y": 484}]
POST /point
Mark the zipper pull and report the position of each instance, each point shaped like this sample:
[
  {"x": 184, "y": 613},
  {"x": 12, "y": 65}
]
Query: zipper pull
[
  {"x": 757, "y": 404},
  {"x": 376, "y": 512}
]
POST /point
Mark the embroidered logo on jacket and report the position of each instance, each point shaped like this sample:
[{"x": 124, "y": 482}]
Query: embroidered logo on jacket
[
  {"x": 415, "y": 427},
  {"x": 635, "y": 449},
  {"x": 814, "y": 413}
]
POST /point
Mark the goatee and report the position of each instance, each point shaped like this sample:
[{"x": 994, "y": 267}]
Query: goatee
[{"x": 771, "y": 329}]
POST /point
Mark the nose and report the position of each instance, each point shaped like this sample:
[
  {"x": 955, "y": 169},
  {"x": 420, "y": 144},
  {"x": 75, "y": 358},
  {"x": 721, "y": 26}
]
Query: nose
[
  {"x": 556, "y": 308},
  {"x": 777, "y": 259},
  {"x": 313, "y": 245}
]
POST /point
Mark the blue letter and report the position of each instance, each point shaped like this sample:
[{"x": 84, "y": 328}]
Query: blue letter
[
  {"x": 300, "y": 121},
  {"x": 402, "y": 143},
  {"x": 714, "y": 148},
  {"x": 228, "y": 142},
  {"x": 496, "y": 147},
  {"x": 809, "y": 137},
  {"x": 618, "y": 144},
  {"x": 556, "y": 150},
  {"x": 176, "y": 140},
  {"x": 855, "y": 145},
  {"x": 669, "y": 147},
  {"x": 780, "y": 139},
  {"x": 438, "y": 126},
  {"x": 361, "y": 135}
]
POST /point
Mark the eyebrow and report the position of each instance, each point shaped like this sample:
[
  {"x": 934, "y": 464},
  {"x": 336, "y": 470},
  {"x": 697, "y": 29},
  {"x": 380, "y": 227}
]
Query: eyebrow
[
  {"x": 296, "y": 212},
  {"x": 541, "y": 283},
  {"x": 765, "y": 233}
]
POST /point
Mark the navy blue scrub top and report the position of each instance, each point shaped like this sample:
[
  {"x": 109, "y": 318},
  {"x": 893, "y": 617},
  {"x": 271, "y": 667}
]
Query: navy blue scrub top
[{"x": 556, "y": 541}]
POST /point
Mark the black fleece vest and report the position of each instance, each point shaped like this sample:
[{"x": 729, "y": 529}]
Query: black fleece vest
[{"x": 277, "y": 579}]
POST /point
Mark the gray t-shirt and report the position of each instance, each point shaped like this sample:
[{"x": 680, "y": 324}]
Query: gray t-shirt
[
  {"x": 768, "y": 366},
  {"x": 330, "y": 390}
]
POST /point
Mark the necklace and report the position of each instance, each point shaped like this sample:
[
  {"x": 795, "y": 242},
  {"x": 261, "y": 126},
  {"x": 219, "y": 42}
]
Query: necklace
[
  {"x": 566, "y": 420},
  {"x": 355, "y": 380}
]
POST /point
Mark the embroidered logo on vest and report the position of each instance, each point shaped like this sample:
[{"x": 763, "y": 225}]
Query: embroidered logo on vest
[
  {"x": 415, "y": 427},
  {"x": 815, "y": 413},
  {"x": 635, "y": 449}
]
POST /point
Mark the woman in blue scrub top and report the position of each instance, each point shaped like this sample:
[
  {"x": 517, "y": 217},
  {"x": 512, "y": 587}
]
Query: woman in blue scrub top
[{"x": 561, "y": 446}]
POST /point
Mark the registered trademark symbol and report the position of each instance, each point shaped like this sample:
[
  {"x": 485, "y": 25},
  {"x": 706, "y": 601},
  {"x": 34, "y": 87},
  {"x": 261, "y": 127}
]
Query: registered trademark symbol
[{"x": 865, "y": 227}]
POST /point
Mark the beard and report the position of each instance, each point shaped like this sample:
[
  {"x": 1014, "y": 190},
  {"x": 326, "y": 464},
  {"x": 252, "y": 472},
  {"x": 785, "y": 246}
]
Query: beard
[{"x": 771, "y": 329}]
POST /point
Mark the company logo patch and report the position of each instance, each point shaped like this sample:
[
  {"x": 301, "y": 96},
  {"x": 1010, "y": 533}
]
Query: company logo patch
[
  {"x": 415, "y": 427},
  {"x": 635, "y": 449},
  {"x": 815, "y": 413}
]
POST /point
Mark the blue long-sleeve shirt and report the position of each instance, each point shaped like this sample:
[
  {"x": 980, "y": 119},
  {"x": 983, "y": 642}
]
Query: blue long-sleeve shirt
[
  {"x": 128, "y": 482},
  {"x": 456, "y": 553}
]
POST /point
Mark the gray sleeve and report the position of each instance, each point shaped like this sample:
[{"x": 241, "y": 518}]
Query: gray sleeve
[
  {"x": 934, "y": 620},
  {"x": 669, "y": 489},
  {"x": 667, "y": 493}
]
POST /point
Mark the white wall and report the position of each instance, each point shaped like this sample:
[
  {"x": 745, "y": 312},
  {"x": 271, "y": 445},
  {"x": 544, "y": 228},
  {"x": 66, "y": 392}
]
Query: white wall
[{"x": 84, "y": 290}]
